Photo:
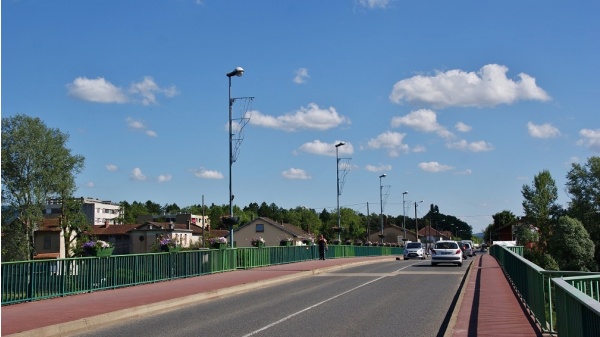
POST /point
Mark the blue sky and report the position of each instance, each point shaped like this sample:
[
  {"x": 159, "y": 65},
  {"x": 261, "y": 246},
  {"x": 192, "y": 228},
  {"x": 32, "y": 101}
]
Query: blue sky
[{"x": 459, "y": 103}]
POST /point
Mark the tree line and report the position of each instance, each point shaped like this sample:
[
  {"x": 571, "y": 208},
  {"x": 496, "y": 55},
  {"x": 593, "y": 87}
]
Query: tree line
[{"x": 558, "y": 237}]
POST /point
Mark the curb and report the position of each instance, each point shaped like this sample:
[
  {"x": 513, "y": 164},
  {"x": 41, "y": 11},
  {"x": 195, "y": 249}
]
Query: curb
[
  {"x": 450, "y": 329},
  {"x": 89, "y": 323}
]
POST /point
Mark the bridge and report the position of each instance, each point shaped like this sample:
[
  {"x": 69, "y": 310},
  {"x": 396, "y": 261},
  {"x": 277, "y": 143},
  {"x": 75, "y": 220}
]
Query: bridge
[{"x": 497, "y": 296}]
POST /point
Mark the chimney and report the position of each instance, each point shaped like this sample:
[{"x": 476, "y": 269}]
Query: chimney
[
  {"x": 188, "y": 223},
  {"x": 106, "y": 224}
]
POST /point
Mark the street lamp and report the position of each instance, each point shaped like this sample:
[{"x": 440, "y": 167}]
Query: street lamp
[
  {"x": 337, "y": 174},
  {"x": 416, "y": 222},
  {"x": 381, "y": 204},
  {"x": 238, "y": 71},
  {"x": 404, "y": 214}
]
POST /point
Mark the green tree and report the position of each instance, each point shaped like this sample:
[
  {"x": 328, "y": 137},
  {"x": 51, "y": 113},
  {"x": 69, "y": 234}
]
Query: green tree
[
  {"x": 571, "y": 246},
  {"x": 36, "y": 166},
  {"x": 583, "y": 185},
  {"x": 540, "y": 206}
]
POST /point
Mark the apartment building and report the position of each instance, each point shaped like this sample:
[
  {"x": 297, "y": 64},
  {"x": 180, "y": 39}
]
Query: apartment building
[{"x": 97, "y": 211}]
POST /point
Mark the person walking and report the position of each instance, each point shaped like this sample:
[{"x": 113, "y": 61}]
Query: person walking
[{"x": 322, "y": 247}]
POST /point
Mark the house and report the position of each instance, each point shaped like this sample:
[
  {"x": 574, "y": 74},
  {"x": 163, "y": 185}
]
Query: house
[
  {"x": 202, "y": 221},
  {"x": 49, "y": 241},
  {"x": 96, "y": 211},
  {"x": 393, "y": 234},
  {"x": 271, "y": 231},
  {"x": 505, "y": 233}
]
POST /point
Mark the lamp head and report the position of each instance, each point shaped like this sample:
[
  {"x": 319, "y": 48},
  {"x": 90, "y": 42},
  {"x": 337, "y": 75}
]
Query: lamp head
[
  {"x": 340, "y": 144},
  {"x": 382, "y": 176},
  {"x": 238, "y": 71},
  {"x": 405, "y": 192}
]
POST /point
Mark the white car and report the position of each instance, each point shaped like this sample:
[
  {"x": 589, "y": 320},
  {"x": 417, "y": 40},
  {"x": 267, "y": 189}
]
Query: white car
[
  {"x": 446, "y": 252},
  {"x": 414, "y": 250}
]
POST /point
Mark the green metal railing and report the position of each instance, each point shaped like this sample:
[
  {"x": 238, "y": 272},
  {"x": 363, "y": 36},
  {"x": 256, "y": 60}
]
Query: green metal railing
[
  {"x": 577, "y": 306},
  {"x": 41, "y": 279},
  {"x": 537, "y": 287}
]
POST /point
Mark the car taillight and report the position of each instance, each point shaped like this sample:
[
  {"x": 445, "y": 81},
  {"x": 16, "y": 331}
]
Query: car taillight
[{"x": 457, "y": 251}]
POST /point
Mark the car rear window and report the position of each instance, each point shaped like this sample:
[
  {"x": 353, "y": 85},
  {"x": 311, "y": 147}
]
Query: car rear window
[
  {"x": 446, "y": 245},
  {"x": 413, "y": 245}
]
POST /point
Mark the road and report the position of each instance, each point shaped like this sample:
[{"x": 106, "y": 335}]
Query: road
[{"x": 408, "y": 298}]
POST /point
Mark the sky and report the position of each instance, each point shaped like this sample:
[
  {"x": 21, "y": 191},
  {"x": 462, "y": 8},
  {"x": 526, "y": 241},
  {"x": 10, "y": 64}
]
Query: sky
[{"x": 458, "y": 103}]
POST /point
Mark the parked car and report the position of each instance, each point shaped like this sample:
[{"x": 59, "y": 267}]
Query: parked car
[
  {"x": 414, "y": 250},
  {"x": 446, "y": 251}
]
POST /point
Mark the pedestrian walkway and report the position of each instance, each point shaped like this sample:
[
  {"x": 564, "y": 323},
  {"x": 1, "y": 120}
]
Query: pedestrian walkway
[
  {"x": 486, "y": 307},
  {"x": 489, "y": 306}
]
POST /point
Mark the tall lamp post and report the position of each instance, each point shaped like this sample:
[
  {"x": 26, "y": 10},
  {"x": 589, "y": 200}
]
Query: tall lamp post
[
  {"x": 238, "y": 71},
  {"x": 416, "y": 222},
  {"x": 404, "y": 214},
  {"x": 337, "y": 175},
  {"x": 381, "y": 204}
]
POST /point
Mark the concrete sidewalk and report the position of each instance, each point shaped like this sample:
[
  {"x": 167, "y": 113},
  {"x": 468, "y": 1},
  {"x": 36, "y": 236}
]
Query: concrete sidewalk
[{"x": 486, "y": 307}]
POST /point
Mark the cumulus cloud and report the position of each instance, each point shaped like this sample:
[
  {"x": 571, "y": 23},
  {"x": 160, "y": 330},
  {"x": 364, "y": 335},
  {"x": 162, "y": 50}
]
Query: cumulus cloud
[
  {"x": 111, "y": 167},
  {"x": 136, "y": 174},
  {"x": 326, "y": 149},
  {"x": 542, "y": 131},
  {"x": 480, "y": 146},
  {"x": 434, "y": 167},
  {"x": 147, "y": 90},
  {"x": 462, "y": 127},
  {"x": 305, "y": 118},
  {"x": 96, "y": 90},
  {"x": 90, "y": 184},
  {"x": 163, "y": 178},
  {"x": 590, "y": 138},
  {"x": 374, "y": 3},
  {"x": 136, "y": 124},
  {"x": 100, "y": 90},
  {"x": 380, "y": 168},
  {"x": 392, "y": 141},
  {"x": 207, "y": 174},
  {"x": 424, "y": 120},
  {"x": 301, "y": 76},
  {"x": 487, "y": 87},
  {"x": 295, "y": 173}
]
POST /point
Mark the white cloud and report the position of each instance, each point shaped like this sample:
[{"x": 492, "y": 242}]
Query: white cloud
[
  {"x": 380, "y": 168},
  {"x": 164, "y": 178},
  {"x": 419, "y": 149},
  {"x": 101, "y": 91},
  {"x": 96, "y": 90},
  {"x": 301, "y": 76},
  {"x": 311, "y": 118},
  {"x": 424, "y": 120},
  {"x": 480, "y": 146},
  {"x": 207, "y": 174},
  {"x": 542, "y": 131},
  {"x": 374, "y": 3},
  {"x": 136, "y": 174},
  {"x": 148, "y": 89},
  {"x": 590, "y": 138},
  {"x": 434, "y": 167},
  {"x": 111, "y": 167},
  {"x": 465, "y": 172},
  {"x": 295, "y": 173},
  {"x": 326, "y": 149},
  {"x": 462, "y": 127},
  {"x": 487, "y": 87},
  {"x": 392, "y": 141},
  {"x": 90, "y": 184},
  {"x": 140, "y": 125}
]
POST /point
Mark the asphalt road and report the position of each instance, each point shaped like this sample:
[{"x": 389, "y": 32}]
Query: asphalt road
[{"x": 397, "y": 298}]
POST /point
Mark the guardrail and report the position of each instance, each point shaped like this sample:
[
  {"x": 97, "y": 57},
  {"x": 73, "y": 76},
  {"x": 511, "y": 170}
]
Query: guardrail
[
  {"x": 538, "y": 289},
  {"x": 40, "y": 279}
]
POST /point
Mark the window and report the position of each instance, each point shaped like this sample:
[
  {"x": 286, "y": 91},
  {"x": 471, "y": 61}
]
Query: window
[
  {"x": 47, "y": 242},
  {"x": 260, "y": 228}
]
